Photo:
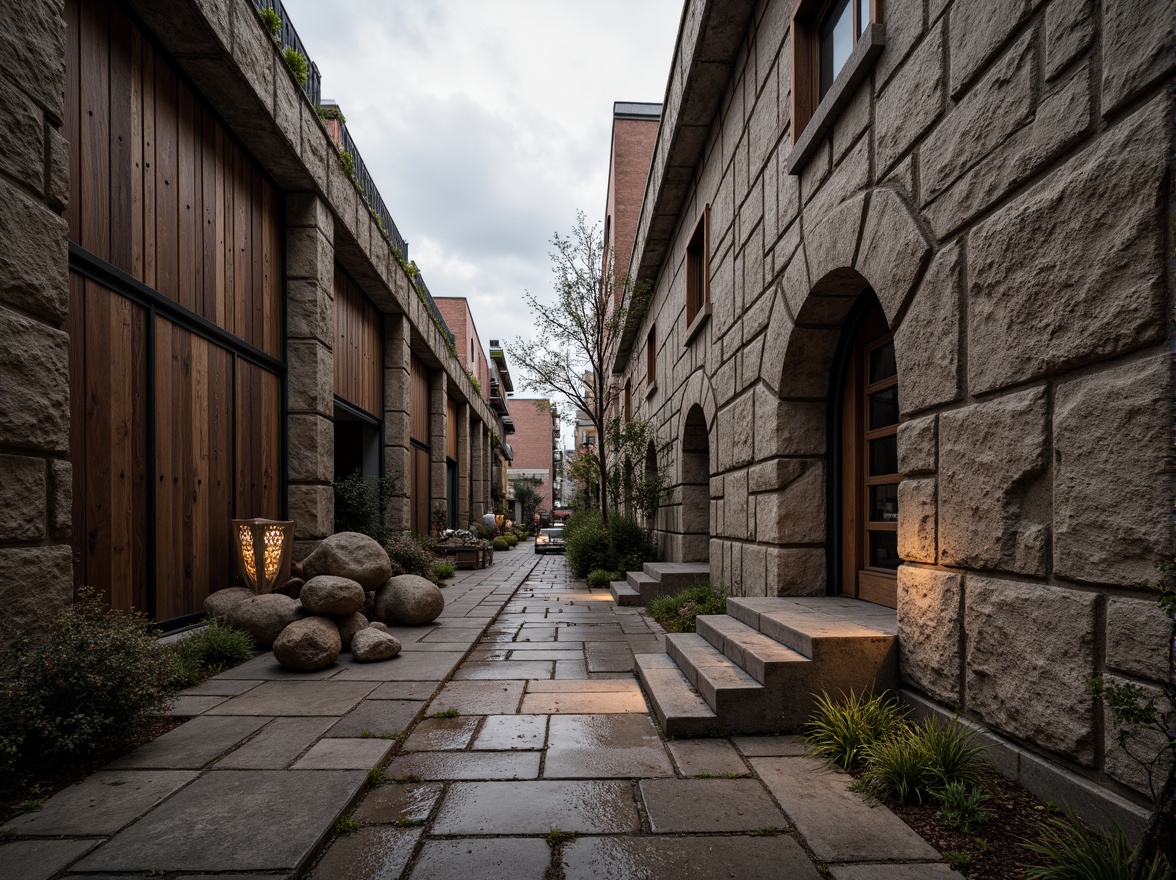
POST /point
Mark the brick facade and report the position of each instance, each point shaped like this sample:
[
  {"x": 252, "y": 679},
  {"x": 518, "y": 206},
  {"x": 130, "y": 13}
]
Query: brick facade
[{"x": 533, "y": 443}]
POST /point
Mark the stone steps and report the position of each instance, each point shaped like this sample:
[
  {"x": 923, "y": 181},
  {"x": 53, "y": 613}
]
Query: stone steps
[
  {"x": 661, "y": 579},
  {"x": 623, "y": 594},
  {"x": 646, "y": 587},
  {"x": 758, "y": 667}
]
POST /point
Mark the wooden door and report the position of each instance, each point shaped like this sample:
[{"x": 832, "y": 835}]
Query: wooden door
[{"x": 870, "y": 465}]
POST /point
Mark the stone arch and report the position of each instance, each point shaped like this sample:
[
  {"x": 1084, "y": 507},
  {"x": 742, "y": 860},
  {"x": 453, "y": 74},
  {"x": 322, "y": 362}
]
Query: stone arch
[
  {"x": 697, "y": 391},
  {"x": 695, "y": 458}
]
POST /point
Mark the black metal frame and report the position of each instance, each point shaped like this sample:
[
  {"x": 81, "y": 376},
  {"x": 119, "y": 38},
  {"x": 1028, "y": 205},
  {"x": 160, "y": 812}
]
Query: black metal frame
[{"x": 93, "y": 267}]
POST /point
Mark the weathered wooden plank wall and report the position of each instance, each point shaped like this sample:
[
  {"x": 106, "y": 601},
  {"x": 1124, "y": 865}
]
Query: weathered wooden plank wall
[{"x": 358, "y": 340}]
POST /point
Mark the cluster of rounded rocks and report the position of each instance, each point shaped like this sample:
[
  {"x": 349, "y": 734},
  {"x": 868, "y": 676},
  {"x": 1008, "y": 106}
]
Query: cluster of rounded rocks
[{"x": 346, "y": 603}]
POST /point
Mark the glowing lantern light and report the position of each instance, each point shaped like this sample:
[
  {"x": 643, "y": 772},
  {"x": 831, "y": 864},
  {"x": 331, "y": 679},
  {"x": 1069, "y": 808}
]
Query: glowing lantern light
[{"x": 263, "y": 552}]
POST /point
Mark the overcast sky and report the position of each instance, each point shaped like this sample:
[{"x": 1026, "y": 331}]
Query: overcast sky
[{"x": 487, "y": 123}]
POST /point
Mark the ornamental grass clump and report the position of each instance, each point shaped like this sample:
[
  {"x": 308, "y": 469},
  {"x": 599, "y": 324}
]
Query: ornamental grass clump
[
  {"x": 208, "y": 651},
  {"x": 1072, "y": 851},
  {"x": 841, "y": 730},
  {"x": 90, "y": 682}
]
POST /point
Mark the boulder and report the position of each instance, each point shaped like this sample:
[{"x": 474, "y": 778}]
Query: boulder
[
  {"x": 350, "y": 555},
  {"x": 377, "y": 625},
  {"x": 308, "y": 644},
  {"x": 369, "y": 605},
  {"x": 222, "y": 602},
  {"x": 264, "y": 617},
  {"x": 370, "y": 645},
  {"x": 292, "y": 588},
  {"x": 348, "y": 626},
  {"x": 326, "y": 594},
  {"x": 409, "y": 599}
]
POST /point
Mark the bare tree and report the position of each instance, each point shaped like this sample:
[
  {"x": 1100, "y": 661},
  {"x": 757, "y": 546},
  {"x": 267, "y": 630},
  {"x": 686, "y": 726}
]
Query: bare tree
[{"x": 568, "y": 356}]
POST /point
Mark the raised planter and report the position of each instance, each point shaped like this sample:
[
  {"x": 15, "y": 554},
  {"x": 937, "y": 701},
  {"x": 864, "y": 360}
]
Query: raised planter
[{"x": 464, "y": 556}]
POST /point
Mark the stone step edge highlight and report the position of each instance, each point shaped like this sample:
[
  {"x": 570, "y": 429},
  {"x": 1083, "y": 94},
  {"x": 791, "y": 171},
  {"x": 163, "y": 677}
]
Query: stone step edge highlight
[{"x": 679, "y": 708}]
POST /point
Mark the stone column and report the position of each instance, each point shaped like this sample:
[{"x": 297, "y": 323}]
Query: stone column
[
  {"x": 310, "y": 364},
  {"x": 397, "y": 402},
  {"x": 438, "y": 397},
  {"x": 36, "y": 477},
  {"x": 464, "y": 510},
  {"x": 477, "y": 472}
]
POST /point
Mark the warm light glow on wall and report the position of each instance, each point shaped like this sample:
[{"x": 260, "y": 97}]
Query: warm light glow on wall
[{"x": 263, "y": 552}]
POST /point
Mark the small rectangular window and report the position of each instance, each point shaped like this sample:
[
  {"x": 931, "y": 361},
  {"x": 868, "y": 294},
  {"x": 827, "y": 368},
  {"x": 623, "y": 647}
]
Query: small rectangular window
[
  {"x": 628, "y": 401},
  {"x": 697, "y": 267},
  {"x": 651, "y": 357}
]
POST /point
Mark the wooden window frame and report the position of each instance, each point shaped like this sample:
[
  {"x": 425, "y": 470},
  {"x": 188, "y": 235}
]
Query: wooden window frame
[
  {"x": 807, "y": 16},
  {"x": 628, "y": 401},
  {"x": 697, "y": 267},
  {"x": 651, "y": 358}
]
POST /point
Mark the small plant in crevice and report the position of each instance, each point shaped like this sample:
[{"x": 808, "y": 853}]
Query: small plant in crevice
[
  {"x": 410, "y": 779},
  {"x": 298, "y": 65},
  {"x": 272, "y": 22},
  {"x": 331, "y": 112},
  {"x": 474, "y": 383},
  {"x": 347, "y": 162},
  {"x": 376, "y": 776},
  {"x": 446, "y": 713},
  {"x": 346, "y": 825}
]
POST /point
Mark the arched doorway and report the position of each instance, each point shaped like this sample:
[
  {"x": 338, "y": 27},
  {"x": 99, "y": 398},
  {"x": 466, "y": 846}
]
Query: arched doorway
[
  {"x": 865, "y": 487},
  {"x": 695, "y": 516}
]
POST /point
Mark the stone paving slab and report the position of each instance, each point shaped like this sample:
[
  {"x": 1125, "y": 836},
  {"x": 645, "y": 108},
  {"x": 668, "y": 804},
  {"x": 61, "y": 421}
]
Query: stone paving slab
[
  {"x": 770, "y": 746},
  {"x": 407, "y": 666},
  {"x": 442, "y": 734},
  {"x": 537, "y": 807},
  {"x": 479, "y": 697},
  {"x": 294, "y": 698},
  {"x": 100, "y": 805},
  {"x": 709, "y": 805},
  {"x": 509, "y": 732},
  {"x": 609, "y": 657},
  {"x": 893, "y": 872},
  {"x": 266, "y": 668},
  {"x": 505, "y": 669},
  {"x": 187, "y": 707},
  {"x": 836, "y": 823},
  {"x": 465, "y": 765},
  {"x": 386, "y": 804},
  {"x": 368, "y": 854},
  {"x": 377, "y": 717},
  {"x": 276, "y": 745},
  {"x": 713, "y": 757},
  {"x": 622, "y": 686},
  {"x": 603, "y": 747},
  {"x": 192, "y": 745},
  {"x": 585, "y": 703},
  {"x": 39, "y": 859},
  {"x": 405, "y": 690},
  {"x": 686, "y": 858},
  {"x": 502, "y": 858},
  {"x": 233, "y": 820},
  {"x": 220, "y": 687},
  {"x": 344, "y": 754}
]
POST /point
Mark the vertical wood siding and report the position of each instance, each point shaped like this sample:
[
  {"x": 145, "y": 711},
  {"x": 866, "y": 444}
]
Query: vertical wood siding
[{"x": 358, "y": 339}]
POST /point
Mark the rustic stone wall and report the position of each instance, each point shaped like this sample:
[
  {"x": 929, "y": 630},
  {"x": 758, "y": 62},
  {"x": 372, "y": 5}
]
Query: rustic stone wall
[
  {"x": 999, "y": 179},
  {"x": 36, "y": 564}
]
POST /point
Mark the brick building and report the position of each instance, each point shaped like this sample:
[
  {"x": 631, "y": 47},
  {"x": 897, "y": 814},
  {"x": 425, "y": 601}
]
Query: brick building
[
  {"x": 535, "y": 442},
  {"x": 910, "y": 344},
  {"x": 460, "y": 320}
]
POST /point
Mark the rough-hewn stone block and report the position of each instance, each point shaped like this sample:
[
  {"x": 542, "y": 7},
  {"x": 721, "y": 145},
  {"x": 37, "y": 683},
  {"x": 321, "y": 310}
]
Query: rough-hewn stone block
[
  {"x": 794, "y": 513},
  {"x": 912, "y": 101},
  {"x": 50, "y": 570},
  {"x": 23, "y": 501},
  {"x": 904, "y": 25},
  {"x": 1030, "y": 648},
  {"x": 993, "y": 513},
  {"x": 1085, "y": 256},
  {"x": 23, "y": 124},
  {"x": 917, "y": 446},
  {"x": 1069, "y": 31},
  {"x": 34, "y": 259},
  {"x": 916, "y": 520},
  {"x": 793, "y": 571},
  {"x": 255, "y": 53},
  {"x": 892, "y": 251},
  {"x": 32, "y": 44},
  {"x": 61, "y": 497},
  {"x": 311, "y": 448},
  {"x": 1140, "y": 740},
  {"x": 1137, "y": 47},
  {"x": 312, "y": 508},
  {"x": 1137, "y": 637},
  {"x": 311, "y": 383},
  {"x": 929, "y": 629},
  {"x": 927, "y": 343},
  {"x": 34, "y": 408},
  {"x": 999, "y": 104},
  {"x": 1111, "y": 479},
  {"x": 978, "y": 30}
]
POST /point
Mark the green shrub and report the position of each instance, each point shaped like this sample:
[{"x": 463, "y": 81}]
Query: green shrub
[
  {"x": 962, "y": 806},
  {"x": 360, "y": 503},
  {"x": 298, "y": 64},
  {"x": 588, "y": 550},
  {"x": 582, "y": 519},
  {"x": 443, "y": 570},
  {"x": 1074, "y": 852},
  {"x": 91, "y": 682},
  {"x": 841, "y": 730},
  {"x": 410, "y": 554},
  {"x": 210, "y": 650},
  {"x": 600, "y": 578},
  {"x": 678, "y": 613},
  {"x": 629, "y": 544},
  {"x": 272, "y": 22},
  {"x": 500, "y": 543},
  {"x": 512, "y": 539}
]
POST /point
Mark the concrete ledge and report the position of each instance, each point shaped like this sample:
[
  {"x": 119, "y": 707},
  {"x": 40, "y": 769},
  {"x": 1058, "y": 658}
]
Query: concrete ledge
[{"x": 1046, "y": 779}]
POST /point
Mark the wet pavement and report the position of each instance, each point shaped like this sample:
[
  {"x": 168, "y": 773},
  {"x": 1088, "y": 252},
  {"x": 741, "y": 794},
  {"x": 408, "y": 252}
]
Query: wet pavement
[{"x": 510, "y": 739}]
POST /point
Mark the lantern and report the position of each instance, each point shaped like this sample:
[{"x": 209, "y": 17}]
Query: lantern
[{"x": 263, "y": 552}]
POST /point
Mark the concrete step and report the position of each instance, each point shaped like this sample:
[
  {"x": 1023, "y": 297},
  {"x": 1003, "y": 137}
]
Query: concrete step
[
  {"x": 675, "y": 576},
  {"x": 761, "y": 656},
  {"x": 737, "y": 698},
  {"x": 623, "y": 594},
  {"x": 852, "y": 644},
  {"x": 646, "y": 587},
  {"x": 679, "y": 708}
]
